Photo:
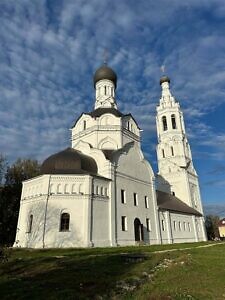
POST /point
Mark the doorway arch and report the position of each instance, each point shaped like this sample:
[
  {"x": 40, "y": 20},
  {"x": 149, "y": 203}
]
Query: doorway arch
[{"x": 138, "y": 230}]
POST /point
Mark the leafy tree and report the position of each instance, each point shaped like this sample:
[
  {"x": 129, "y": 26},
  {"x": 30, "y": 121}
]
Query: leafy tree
[
  {"x": 10, "y": 194},
  {"x": 211, "y": 223},
  {"x": 2, "y": 167}
]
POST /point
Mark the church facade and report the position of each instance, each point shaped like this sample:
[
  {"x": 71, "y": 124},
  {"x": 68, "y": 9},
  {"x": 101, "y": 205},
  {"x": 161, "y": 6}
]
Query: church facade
[{"x": 102, "y": 191}]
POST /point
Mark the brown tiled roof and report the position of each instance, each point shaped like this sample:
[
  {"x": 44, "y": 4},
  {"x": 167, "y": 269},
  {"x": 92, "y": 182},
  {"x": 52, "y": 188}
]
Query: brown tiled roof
[{"x": 170, "y": 202}]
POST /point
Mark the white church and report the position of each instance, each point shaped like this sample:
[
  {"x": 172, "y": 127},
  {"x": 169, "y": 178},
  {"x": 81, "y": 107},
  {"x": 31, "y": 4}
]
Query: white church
[{"x": 101, "y": 191}]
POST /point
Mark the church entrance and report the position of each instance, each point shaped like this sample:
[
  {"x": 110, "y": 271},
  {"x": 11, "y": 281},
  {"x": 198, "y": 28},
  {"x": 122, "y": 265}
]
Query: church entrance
[{"x": 138, "y": 230}]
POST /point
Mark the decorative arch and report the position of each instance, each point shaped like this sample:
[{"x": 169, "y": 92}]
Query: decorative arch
[{"x": 108, "y": 143}]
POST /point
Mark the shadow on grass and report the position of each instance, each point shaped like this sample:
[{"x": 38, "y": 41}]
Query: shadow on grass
[{"x": 63, "y": 277}]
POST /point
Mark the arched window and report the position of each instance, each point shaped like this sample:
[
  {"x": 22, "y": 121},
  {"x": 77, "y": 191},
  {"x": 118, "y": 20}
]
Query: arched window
[
  {"x": 64, "y": 222},
  {"x": 30, "y": 223},
  {"x": 164, "y": 122},
  {"x": 84, "y": 125},
  {"x": 105, "y": 90},
  {"x": 128, "y": 125},
  {"x": 172, "y": 152},
  {"x": 163, "y": 153},
  {"x": 96, "y": 190},
  {"x": 106, "y": 193},
  {"x": 173, "y": 121}
]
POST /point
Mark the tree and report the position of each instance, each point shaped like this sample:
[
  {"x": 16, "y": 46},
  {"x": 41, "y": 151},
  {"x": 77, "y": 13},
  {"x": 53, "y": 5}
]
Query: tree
[
  {"x": 10, "y": 194},
  {"x": 2, "y": 167},
  {"x": 211, "y": 223}
]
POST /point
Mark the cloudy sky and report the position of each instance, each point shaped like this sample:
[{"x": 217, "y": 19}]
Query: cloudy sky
[{"x": 49, "y": 50}]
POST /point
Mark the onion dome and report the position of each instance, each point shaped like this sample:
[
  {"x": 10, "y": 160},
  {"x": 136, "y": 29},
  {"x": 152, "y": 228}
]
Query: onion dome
[
  {"x": 69, "y": 161},
  {"x": 104, "y": 72},
  {"x": 164, "y": 79}
]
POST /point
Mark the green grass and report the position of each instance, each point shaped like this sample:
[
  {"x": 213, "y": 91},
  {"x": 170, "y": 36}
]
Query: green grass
[{"x": 104, "y": 273}]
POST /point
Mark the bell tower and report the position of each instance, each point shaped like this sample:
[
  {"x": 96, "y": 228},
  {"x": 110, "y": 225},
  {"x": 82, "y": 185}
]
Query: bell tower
[{"x": 176, "y": 174}]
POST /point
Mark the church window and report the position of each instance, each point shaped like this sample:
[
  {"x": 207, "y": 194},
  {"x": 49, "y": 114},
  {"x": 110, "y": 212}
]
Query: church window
[
  {"x": 64, "y": 222},
  {"x": 30, "y": 223},
  {"x": 84, "y": 125},
  {"x": 164, "y": 123},
  {"x": 124, "y": 223},
  {"x": 148, "y": 224},
  {"x": 105, "y": 90},
  {"x": 123, "y": 196},
  {"x": 163, "y": 153},
  {"x": 96, "y": 190},
  {"x": 173, "y": 121},
  {"x": 146, "y": 202},
  {"x": 172, "y": 151},
  {"x": 163, "y": 225},
  {"x": 135, "y": 199}
]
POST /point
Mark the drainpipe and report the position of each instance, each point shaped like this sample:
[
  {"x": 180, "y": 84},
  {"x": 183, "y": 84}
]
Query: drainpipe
[{"x": 45, "y": 216}]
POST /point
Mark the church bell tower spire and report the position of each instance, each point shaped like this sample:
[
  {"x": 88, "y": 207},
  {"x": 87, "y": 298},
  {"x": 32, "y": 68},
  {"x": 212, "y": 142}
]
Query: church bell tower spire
[{"x": 176, "y": 174}]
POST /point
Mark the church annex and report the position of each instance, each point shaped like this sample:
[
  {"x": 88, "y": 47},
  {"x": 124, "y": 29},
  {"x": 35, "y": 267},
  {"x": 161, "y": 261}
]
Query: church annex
[{"x": 101, "y": 191}]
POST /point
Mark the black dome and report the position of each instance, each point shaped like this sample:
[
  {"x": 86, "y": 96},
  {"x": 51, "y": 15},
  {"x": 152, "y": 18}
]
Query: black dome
[
  {"x": 104, "y": 72},
  {"x": 164, "y": 79},
  {"x": 69, "y": 161}
]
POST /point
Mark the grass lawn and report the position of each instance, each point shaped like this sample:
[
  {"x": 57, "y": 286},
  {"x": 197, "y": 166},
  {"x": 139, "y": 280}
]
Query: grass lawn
[{"x": 115, "y": 273}]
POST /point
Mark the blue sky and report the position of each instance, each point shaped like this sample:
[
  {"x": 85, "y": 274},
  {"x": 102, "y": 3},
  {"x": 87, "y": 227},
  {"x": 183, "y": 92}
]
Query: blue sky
[{"x": 49, "y": 51}]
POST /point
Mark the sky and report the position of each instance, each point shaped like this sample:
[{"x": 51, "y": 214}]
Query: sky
[{"x": 50, "y": 49}]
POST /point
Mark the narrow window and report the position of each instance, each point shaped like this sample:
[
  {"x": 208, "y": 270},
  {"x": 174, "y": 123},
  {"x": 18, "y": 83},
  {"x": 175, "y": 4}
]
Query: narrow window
[
  {"x": 96, "y": 190},
  {"x": 30, "y": 223},
  {"x": 179, "y": 225},
  {"x": 84, "y": 125},
  {"x": 135, "y": 199},
  {"x": 111, "y": 91},
  {"x": 124, "y": 223},
  {"x": 148, "y": 224},
  {"x": 184, "y": 226},
  {"x": 105, "y": 90},
  {"x": 173, "y": 121},
  {"x": 173, "y": 193},
  {"x": 164, "y": 122},
  {"x": 174, "y": 225},
  {"x": 66, "y": 189},
  {"x": 146, "y": 202},
  {"x": 128, "y": 125},
  {"x": 163, "y": 225},
  {"x": 123, "y": 198},
  {"x": 106, "y": 192},
  {"x": 172, "y": 152},
  {"x": 163, "y": 153},
  {"x": 64, "y": 222}
]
